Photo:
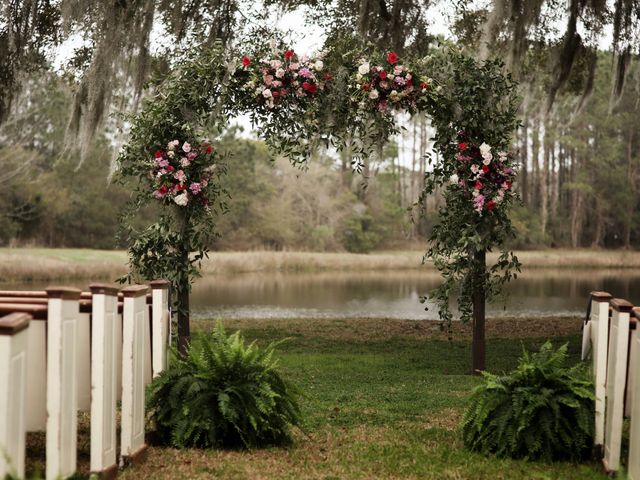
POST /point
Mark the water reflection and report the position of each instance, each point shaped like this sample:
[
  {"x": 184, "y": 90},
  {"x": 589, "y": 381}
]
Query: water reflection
[{"x": 395, "y": 294}]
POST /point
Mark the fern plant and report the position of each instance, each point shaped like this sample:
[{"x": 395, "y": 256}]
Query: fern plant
[
  {"x": 223, "y": 393},
  {"x": 541, "y": 410}
]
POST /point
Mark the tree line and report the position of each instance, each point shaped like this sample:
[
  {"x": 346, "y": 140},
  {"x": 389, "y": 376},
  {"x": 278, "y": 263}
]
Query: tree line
[{"x": 579, "y": 143}]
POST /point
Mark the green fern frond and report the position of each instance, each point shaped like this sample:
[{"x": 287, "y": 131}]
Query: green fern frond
[
  {"x": 541, "y": 410},
  {"x": 223, "y": 393}
]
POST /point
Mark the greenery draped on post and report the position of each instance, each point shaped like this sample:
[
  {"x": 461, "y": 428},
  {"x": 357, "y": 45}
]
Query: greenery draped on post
[
  {"x": 475, "y": 105},
  {"x": 344, "y": 98}
]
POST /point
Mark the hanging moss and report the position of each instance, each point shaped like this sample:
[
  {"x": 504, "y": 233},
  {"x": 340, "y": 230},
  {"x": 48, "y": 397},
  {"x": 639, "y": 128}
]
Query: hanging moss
[{"x": 26, "y": 28}]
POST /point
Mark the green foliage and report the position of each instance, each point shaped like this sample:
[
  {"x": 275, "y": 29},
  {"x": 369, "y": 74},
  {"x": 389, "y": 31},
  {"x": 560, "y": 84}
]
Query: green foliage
[
  {"x": 481, "y": 101},
  {"x": 223, "y": 393},
  {"x": 361, "y": 235},
  {"x": 208, "y": 87},
  {"x": 541, "y": 410}
]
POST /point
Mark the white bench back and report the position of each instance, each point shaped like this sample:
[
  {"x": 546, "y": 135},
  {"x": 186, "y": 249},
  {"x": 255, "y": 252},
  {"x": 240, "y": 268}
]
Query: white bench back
[
  {"x": 62, "y": 382},
  {"x": 14, "y": 336}
]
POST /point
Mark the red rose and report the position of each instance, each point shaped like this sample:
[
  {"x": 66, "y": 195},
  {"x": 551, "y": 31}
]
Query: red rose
[
  {"x": 328, "y": 77},
  {"x": 246, "y": 61},
  {"x": 180, "y": 187},
  {"x": 169, "y": 168},
  {"x": 158, "y": 153},
  {"x": 462, "y": 146},
  {"x": 383, "y": 75},
  {"x": 491, "y": 205},
  {"x": 478, "y": 185},
  {"x": 288, "y": 55},
  {"x": 424, "y": 85},
  {"x": 392, "y": 58},
  {"x": 310, "y": 87},
  {"x": 485, "y": 169},
  {"x": 209, "y": 149},
  {"x": 163, "y": 190},
  {"x": 275, "y": 94}
]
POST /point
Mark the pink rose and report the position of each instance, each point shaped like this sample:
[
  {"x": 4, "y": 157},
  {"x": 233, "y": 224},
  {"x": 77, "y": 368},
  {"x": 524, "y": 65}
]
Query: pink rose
[{"x": 195, "y": 188}]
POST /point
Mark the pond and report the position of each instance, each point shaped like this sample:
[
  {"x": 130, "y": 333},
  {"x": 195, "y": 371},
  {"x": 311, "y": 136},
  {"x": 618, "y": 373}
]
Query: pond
[
  {"x": 396, "y": 294},
  {"x": 389, "y": 294}
]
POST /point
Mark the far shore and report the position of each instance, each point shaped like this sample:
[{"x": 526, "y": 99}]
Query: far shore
[{"x": 49, "y": 264}]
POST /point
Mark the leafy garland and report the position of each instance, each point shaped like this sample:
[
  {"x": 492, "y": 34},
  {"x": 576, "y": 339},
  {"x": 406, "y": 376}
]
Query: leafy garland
[
  {"x": 342, "y": 98},
  {"x": 474, "y": 112}
]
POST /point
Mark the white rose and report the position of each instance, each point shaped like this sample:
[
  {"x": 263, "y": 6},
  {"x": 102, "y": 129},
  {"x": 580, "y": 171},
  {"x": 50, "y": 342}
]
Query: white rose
[
  {"x": 364, "y": 68},
  {"x": 487, "y": 159},
  {"x": 266, "y": 93},
  {"x": 319, "y": 65},
  {"x": 454, "y": 179},
  {"x": 171, "y": 154},
  {"x": 186, "y": 147},
  {"x": 181, "y": 199},
  {"x": 373, "y": 94},
  {"x": 280, "y": 73},
  {"x": 484, "y": 149}
]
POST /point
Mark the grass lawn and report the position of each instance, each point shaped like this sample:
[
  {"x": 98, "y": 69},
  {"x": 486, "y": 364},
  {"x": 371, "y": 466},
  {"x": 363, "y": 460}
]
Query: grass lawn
[{"x": 382, "y": 400}]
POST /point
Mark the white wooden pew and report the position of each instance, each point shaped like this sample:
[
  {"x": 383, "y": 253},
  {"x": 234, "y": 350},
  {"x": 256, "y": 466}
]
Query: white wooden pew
[
  {"x": 101, "y": 350},
  {"x": 616, "y": 382},
  {"x": 106, "y": 332},
  {"x": 13, "y": 388},
  {"x": 599, "y": 329},
  {"x": 134, "y": 317},
  {"x": 633, "y": 466},
  {"x": 161, "y": 324},
  {"x": 62, "y": 381}
]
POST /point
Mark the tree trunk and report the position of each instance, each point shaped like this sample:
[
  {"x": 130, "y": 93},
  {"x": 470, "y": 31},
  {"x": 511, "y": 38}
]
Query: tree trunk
[
  {"x": 184, "y": 326},
  {"x": 599, "y": 234},
  {"x": 534, "y": 194},
  {"x": 555, "y": 183},
  {"x": 478, "y": 350},
  {"x": 183, "y": 287},
  {"x": 577, "y": 206},
  {"x": 524, "y": 155},
  {"x": 631, "y": 174},
  {"x": 544, "y": 182}
]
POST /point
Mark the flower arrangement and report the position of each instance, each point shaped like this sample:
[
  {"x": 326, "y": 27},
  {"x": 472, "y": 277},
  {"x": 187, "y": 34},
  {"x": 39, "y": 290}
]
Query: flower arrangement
[
  {"x": 181, "y": 173},
  {"x": 272, "y": 81},
  {"x": 388, "y": 85},
  {"x": 485, "y": 178}
]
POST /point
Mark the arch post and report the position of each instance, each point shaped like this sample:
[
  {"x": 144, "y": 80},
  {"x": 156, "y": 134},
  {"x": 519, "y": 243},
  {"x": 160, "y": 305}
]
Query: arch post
[{"x": 479, "y": 296}]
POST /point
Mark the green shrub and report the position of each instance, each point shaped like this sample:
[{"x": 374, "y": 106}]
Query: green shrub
[
  {"x": 224, "y": 393},
  {"x": 361, "y": 235},
  {"x": 542, "y": 410}
]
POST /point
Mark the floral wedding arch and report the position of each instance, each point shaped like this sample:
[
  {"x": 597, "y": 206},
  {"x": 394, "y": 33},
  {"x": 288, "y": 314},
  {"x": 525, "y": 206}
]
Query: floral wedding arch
[{"x": 346, "y": 99}]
